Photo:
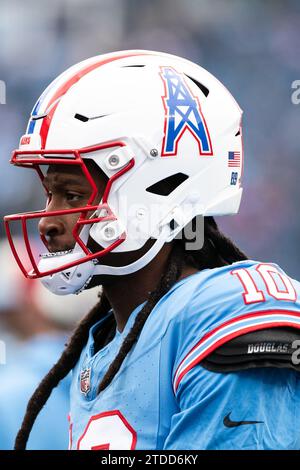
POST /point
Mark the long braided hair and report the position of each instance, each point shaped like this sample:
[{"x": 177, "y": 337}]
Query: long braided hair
[{"x": 217, "y": 251}]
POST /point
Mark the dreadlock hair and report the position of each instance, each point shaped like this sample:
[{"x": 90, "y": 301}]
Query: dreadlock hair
[{"x": 217, "y": 251}]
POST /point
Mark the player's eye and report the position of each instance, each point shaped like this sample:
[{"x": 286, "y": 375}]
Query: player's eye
[{"x": 72, "y": 197}]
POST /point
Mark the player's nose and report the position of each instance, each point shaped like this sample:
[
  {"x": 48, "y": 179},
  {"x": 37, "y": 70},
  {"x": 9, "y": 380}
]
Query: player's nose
[
  {"x": 50, "y": 227},
  {"x": 53, "y": 225}
]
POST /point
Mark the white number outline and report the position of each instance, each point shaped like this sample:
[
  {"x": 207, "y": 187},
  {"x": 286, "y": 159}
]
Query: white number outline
[
  {"x": 251, "y": 292},
  {"x": 105, "y": 446}
]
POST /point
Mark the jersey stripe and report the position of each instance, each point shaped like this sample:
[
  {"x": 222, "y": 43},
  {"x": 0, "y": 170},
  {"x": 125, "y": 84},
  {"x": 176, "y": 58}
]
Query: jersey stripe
[{"x": 231, "y": 329}]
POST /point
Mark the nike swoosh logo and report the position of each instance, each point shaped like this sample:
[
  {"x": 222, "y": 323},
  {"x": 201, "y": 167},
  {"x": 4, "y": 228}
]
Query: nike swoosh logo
[{"x": 233, "y": 424}]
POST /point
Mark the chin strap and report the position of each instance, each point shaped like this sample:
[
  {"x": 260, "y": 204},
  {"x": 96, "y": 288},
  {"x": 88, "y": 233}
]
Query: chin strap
[
  {"x": 101, "y": 269},
  {"x": 78, "y": 278}
]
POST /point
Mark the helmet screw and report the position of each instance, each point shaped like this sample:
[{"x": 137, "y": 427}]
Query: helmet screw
[
  {"x": 109, "y": 232},
  {"x": 154, "y": 152},
  {"x": 113, "y": 160}
]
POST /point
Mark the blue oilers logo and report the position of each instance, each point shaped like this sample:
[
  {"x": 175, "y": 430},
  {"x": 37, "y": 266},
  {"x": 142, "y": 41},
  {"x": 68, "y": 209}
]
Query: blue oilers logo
[{"x": 182, "y": 113}]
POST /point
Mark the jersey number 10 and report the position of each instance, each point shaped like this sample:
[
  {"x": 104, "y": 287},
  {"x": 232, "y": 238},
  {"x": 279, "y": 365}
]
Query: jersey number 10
[{"x": 270, "y": 276}]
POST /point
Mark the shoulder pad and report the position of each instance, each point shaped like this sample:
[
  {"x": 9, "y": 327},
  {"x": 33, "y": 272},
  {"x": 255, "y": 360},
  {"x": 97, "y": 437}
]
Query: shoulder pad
[{"x": 270, "y": 347}]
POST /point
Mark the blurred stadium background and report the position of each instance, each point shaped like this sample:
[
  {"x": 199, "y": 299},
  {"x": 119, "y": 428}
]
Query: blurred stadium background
[{"x": 252, "y": 47}]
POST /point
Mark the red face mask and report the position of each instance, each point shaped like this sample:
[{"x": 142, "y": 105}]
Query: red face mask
[{"x": 35, "y": 159}]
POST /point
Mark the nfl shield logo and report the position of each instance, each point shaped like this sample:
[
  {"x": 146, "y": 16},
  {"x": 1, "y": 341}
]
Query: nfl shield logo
[{"x": 85, "y": 381}]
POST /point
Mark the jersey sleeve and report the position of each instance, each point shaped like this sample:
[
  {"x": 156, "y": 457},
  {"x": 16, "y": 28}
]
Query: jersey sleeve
[
  {"x": 255, "y": 409},
  {"x": 233, "y": 410},
  {"x": 230, "y": 303}
]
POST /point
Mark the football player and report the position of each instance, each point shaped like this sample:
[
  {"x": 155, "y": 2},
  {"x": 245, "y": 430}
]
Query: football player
[{"x": 192, "y": 345}]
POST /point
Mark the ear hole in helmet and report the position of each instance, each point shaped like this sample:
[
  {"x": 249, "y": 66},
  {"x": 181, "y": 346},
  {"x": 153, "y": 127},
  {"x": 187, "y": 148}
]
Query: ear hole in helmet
[
  {"x": 202, "y": 87},
  {"x": 167, "y": 185}
]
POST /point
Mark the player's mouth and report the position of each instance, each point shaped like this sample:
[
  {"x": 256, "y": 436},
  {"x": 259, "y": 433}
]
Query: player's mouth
[
  {"x": 55, "y": 253},
  {"x": 58, "y": 248}
]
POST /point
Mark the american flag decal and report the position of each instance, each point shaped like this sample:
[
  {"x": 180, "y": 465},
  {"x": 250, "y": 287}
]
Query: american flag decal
[{"x": 234, "y": 159}]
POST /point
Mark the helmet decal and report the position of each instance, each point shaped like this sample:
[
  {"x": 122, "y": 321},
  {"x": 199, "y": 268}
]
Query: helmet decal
[{"x": 183, "y": 112}]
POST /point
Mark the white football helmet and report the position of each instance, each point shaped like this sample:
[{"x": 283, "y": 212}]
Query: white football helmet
[{"x": 144, "y": 118}]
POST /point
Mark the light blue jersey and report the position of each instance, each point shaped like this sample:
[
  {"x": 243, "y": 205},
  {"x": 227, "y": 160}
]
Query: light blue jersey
[{"x": 163, "y": 398}]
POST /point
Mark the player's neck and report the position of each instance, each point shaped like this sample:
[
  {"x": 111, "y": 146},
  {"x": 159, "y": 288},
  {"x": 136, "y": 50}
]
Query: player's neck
[{"x": 127, "y": 292}]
